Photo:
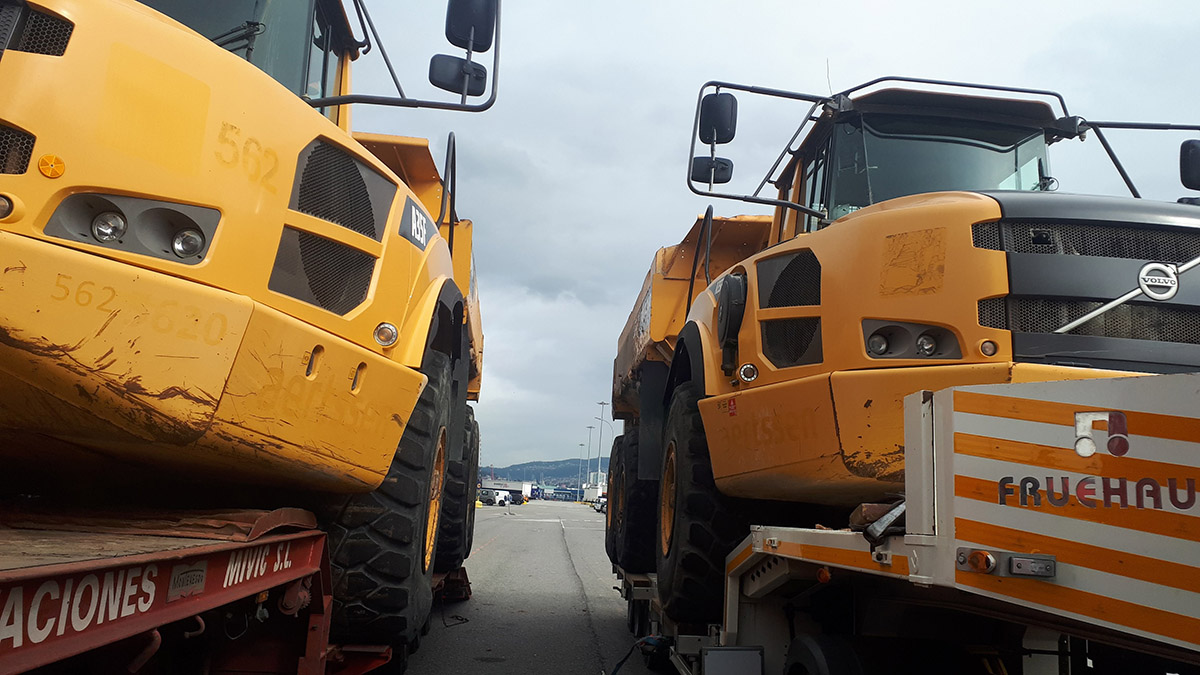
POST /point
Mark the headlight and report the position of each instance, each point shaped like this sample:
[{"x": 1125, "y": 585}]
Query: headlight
[
  {"x": 109, "y": 226},
  {"x": 187, "y": 243}
]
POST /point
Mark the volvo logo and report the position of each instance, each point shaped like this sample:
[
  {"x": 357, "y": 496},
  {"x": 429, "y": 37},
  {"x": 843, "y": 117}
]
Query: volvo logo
[{"x": 1158, "y": 281}]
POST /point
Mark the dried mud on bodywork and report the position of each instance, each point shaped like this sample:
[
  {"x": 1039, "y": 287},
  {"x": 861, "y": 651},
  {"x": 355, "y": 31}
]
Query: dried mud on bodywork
[{"x": 138, "y": 408}]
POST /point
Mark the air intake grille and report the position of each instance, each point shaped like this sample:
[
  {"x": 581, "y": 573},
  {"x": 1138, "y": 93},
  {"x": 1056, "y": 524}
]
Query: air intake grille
[
  {"x": 1136, "y": 242},
  {"x": 334, "y": 186},
  {"x": 1159, "y": 322},
  {"x": 792, "y": 342},
  {"x": 321, "y": 271},
  {"x": 16, "y": 147},
  {"x": 44, "y": 34},
  {"x": 790, "y": 280}
]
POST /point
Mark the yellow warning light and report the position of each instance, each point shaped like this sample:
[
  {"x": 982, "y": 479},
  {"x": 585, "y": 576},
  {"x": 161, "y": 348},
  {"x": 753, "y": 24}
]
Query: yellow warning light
[
  {"x": 262, "y": 597},
  {"x": 51, "y": 166},
  {"x": 824, "y": 575}
]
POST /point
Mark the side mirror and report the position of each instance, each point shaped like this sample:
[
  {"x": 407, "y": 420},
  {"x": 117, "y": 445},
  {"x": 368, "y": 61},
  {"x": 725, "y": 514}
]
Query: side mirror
[
  {"x": 711, "y": 170},
  {"x": 471, "y": 23},
  {"x": 718, "y": 118},
  {"x": 1189, "y": 164},
  {"x": 449, "y": 72}
]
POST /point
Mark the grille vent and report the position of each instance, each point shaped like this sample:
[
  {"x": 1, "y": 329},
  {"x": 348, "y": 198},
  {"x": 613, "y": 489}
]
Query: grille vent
[
  {"x": 792, "y": 342},
  {"x": 992, "y": 314},
  {"x": 790, "y": 280},
  {"x": 1159, "y": 322},
  {"x": 44, "y": 34},
  {"x": 334, "y": 186},
  {"x": 1134, "y": 242},
  {"x": 16, "y": 148},
  {"x": 321, "y": 272}
]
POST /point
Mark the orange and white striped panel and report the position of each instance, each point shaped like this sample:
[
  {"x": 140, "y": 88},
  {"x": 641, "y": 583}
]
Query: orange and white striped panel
[{"x": 1121, "y": 515}]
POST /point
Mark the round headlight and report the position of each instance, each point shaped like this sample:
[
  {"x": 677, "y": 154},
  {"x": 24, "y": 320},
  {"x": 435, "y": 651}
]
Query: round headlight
[
  {"x": 109, "y": 226},
  {"x": 6, "y": 206},
  {"x": 188, "y": 243},
  {"x": 988, "y": 348},
  {"x": 877, "y": 344},
  {"x": 386, "y": 334},
  {"x": 748, "y": 372},
  {"x": 926, "y": 345}
]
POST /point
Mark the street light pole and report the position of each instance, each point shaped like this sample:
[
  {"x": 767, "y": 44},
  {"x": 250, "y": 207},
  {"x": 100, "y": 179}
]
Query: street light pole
[
  {"x": 601, "y": 418},
  {"x": 588, "y": 464},
  {"x": 579, "y": 480}
]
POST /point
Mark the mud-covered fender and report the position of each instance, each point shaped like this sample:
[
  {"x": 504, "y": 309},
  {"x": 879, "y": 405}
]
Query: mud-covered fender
[
  {"x": 436, "y": 324},
  {"x": 692, "y": 349}
]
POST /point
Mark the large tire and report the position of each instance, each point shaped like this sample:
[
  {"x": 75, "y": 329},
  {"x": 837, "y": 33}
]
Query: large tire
[
  {"x": 639, "y": 522},
  {"x": 616, "y": 501},
  {"x": 382, "y": 543},
  {"x": 458, "y": 506},
  {"x": 697, "y": 527}
]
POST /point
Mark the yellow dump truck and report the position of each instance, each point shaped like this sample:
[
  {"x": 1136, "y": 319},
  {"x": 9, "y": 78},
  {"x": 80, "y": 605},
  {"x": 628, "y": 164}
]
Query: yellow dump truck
[
  {"x": 917, "y": 243},
  {"x": 216, "y": 293}
]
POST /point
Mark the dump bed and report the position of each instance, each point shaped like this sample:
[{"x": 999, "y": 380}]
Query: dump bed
[{"x": 660, "y": 311}]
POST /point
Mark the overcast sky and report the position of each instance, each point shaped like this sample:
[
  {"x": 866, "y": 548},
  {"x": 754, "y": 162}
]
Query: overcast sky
[{"x": 576, "y": 176}]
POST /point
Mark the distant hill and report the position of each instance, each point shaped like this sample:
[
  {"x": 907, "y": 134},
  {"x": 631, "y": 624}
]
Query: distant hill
[{"x": 564, "y": 472}]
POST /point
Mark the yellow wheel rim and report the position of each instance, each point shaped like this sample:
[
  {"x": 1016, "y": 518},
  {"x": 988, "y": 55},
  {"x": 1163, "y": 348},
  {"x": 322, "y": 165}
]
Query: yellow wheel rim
[
  {"x": 666, "y": 502},
  {"x": 436, "y": 481}
]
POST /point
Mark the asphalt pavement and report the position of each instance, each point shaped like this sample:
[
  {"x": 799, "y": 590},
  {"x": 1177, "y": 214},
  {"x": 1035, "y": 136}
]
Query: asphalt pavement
[{"x": 543, "y": 600}]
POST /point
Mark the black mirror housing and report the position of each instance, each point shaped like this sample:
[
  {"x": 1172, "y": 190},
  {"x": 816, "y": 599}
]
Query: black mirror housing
[
  {"x": 463, "y": 15},
  {"x": 718, "y": 118},
  {"x": 447, "y": 72},
  {"x": 714, "y": 169},
  {"x": 1189, "y": 164}
]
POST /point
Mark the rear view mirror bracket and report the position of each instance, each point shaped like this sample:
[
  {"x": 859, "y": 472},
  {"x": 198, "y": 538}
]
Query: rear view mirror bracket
[
  {"x": 469, "y": 78},
  {"x": 720, "y": 121}
]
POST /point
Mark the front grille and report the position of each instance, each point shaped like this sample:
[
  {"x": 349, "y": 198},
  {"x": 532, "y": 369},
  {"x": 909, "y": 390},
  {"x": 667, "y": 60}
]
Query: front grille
[
  {"x": 16, "y": 147},
  {"x": 334, "y": 186},
  {"x": 1135, "y": 321},
  {"x": 792, "y": 342},
  {"x": 790, "y": 280},
  {"x": 992, "y": 313},
  {"x": 321, "y": 271},
  {"x": 44, "y": 34},
  {"x": 1132, "y": 241}
]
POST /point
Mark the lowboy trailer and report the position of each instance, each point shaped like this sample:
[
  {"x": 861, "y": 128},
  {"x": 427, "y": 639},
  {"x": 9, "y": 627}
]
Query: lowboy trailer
[{"x": 1049, "y": 527}]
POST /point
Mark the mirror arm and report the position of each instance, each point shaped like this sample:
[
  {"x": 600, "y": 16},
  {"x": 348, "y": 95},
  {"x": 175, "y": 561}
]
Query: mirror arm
[
  {"x": 467, "y": 67},
  {"x": 382, "y": 50},
  {"x": 1116, "y": 162}
]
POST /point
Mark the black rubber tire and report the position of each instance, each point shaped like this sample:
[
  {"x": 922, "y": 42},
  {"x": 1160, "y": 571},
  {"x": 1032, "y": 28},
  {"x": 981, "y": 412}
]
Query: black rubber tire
[
  {"x": 638, "y": 523},
  {"x": 377, "y": 541},
  {"x": 822, "y": 655},
  {"x": 616, "y": 501},
  {"x": 458, "y": 504},
  {"x": 704, "y": 527}
]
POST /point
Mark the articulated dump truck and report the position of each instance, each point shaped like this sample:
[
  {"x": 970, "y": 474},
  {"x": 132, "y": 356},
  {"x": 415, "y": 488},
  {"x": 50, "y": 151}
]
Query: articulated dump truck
[
  {"x": 918, "y": 243},
  {"x": 216, "y": 294}
]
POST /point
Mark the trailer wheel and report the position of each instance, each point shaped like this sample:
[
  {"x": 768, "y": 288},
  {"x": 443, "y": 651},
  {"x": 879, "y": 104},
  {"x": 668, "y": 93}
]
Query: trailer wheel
[
  {"x": 696, "y": 528},
  {"x": 821, "y": 655},
  {"x": 458, "y": 507},
  {"x": 382, "y": 543}
]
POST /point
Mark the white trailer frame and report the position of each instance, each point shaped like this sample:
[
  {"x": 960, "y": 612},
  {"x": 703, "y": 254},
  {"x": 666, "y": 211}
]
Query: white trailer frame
[{"x": 1110, "y": 553}]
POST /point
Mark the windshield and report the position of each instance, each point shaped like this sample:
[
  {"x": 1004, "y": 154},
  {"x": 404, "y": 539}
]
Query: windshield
[
  {"x": 880, "y": 157},
  {"x": 272, "y": 34}
]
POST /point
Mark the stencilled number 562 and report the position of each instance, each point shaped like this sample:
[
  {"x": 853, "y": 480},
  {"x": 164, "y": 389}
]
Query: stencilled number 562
[{"x": 258, "y": 163}]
